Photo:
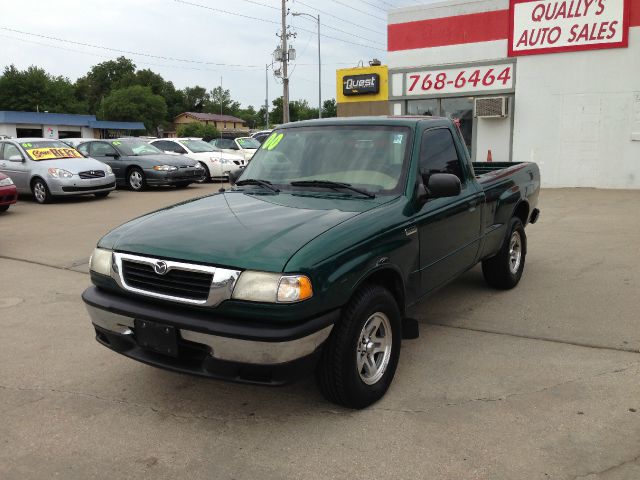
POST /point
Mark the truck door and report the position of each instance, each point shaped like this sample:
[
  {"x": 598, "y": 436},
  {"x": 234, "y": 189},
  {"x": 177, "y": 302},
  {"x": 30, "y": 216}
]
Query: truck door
[{"x": 449, "y": 228}]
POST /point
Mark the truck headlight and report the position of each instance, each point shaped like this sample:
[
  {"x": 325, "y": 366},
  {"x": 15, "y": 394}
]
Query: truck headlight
[
  {"x": 6, "y": 182},
  {"x": 59, "y": 173},
  {"x": 100, "y": 261},
  {"x": 165, "y": 168},
  {"x": 272, "y": 287}
]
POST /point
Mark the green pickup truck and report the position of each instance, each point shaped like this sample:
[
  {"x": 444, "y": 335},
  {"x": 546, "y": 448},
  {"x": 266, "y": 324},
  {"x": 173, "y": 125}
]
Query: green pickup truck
[{"x": 310, "y": 261}]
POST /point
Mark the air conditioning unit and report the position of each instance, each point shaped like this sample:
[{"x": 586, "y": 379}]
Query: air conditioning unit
[{"x": 491, "y": 107}]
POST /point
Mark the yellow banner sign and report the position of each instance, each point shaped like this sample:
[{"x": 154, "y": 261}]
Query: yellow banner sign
[{"x": 53, "y": 153}]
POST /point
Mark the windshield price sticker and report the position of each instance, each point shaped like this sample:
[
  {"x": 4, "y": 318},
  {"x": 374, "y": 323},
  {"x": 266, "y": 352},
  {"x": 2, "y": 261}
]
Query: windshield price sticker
[
  {"x": 457, "y": 80},
  {"x": 53, "y": 153},
  {"x": 273, "y": 141},
  {"x": 544, "y": 26}
]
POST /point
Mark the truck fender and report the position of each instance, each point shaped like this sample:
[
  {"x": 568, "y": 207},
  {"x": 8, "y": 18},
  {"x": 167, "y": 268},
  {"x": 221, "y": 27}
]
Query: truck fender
[{"x": 387, "y": 275}]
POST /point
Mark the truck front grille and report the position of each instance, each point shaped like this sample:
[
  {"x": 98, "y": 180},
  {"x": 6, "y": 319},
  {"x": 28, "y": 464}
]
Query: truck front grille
[
  {"x": 175, "y": 283},
  {"x": 91, "y": 174}
]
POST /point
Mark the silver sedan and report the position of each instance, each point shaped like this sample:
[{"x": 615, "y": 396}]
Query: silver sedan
[{"x": 50, "y": 168}]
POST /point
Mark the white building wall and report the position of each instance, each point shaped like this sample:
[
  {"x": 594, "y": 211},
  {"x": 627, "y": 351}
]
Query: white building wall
[
  {"x": 575, "y": 114},
  {"x": 8, "y": 129}
]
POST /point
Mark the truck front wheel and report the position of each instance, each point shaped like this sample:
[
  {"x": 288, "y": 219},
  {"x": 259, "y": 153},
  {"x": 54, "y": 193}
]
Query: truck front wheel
[
  {"x": 504, "y": 270},
  {"x": 360, "y": 358}
]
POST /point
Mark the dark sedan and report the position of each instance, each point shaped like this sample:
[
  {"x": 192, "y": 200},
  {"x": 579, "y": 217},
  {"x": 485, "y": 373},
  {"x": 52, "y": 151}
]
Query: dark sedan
[{"x": 138, "y": 164}]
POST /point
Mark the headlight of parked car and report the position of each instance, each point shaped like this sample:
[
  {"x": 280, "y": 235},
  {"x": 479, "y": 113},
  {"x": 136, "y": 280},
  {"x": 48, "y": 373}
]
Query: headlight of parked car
[
  {"x": 100, "y": 261},
  {"x": 6, "y": 182},
  {"x": 59, "y": 173},
  {"x": 224, "y": 161},
  {"x": 108, "y": 169},
  {"x": 272, "y": 287},
  {"x": 165, "y": 168}
]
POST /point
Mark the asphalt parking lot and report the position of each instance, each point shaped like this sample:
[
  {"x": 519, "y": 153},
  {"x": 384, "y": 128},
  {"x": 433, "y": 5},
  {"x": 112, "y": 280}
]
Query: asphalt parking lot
[{"x": 541, "y": 382}]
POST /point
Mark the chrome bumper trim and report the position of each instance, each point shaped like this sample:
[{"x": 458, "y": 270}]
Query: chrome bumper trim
[
  {"x": 225, "y": 348},
  {"x": 223, "y": 280}
]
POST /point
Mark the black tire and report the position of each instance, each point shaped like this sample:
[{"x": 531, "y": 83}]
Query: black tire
[
  {"x": 102, "y": 194},
  {"x": 338, "y": 376},
  {"x": 4, "y": 208},
  {"x": 41, "y": 191},
  {"x": 207, "y": 174},
  {"x": 182, "y": 184},
  {"x": 136, "y": 180},
  {"x": 500, "y": 271}
]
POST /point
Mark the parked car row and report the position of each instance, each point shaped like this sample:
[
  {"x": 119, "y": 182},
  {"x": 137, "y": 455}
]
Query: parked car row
[{"x": 51, "y": 168}]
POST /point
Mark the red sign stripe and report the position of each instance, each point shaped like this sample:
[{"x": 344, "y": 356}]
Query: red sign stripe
[
  {"x": 471, "y": 28},
  {"x": 438, "y": 32}
]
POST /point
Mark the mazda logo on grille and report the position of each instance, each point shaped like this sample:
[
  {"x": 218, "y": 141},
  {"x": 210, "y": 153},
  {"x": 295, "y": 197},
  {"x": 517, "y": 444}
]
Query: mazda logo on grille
[{"x": 160, "y": 268}]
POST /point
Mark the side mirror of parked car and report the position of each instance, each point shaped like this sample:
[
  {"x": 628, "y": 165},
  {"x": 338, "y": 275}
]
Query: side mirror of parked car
[
  {"x": 233, "y": 176},
  {"x": 439, "y": 185},
  {"x": 16, "y": 158}
]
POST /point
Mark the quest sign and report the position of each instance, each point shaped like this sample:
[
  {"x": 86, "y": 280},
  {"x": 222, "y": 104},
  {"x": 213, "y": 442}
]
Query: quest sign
[
  {"x": 548, "y": 26},
  {"x": 361, "y": 84}
]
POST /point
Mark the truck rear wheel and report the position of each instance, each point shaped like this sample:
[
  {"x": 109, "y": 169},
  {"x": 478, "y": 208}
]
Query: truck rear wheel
[
  {"x": 360, "y": 358},
  {"x": 504, "y": 270}
]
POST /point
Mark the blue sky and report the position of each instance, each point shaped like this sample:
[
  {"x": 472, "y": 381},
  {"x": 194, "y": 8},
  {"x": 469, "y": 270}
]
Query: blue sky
[{"x": 184, "y": 39}]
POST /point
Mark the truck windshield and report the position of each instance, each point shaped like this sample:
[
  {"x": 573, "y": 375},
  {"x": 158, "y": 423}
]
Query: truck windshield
[{"x": 372, "y": 158}]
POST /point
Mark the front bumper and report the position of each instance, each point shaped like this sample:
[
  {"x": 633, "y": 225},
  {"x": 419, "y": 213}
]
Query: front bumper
[
  {"x": 245, "y": 351},
  {"x": 81, "y": 186},
  {"x": 156, "y": 177},
  {"x": 8, "y": 195}
]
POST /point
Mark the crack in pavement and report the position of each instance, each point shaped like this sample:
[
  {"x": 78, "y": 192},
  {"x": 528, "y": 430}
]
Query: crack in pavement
[
  {"x": 511, "y": 395},
  {"x": 530, "y": 337},
  {"x": 609, "y": 469},
  {"x": 42, "y": 264}
]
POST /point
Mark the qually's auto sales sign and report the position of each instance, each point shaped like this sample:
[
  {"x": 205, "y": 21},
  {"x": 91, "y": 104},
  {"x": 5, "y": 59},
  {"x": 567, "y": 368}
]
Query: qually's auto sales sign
[{"x": 548, "y": 26}]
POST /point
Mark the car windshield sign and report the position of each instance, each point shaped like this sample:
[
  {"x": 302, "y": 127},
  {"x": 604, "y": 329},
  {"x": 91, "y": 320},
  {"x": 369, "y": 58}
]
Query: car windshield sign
[
  {"x": 135, "y": 147},
  {"x": 197, "y": 146},
  {"x": 49, "y": 150},
  {"x": 248, "y": 143},
  {"x": 372, "y": 158}
]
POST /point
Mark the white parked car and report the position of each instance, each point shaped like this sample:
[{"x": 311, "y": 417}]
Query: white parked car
[
  {"x": 245, "y": 146},
  {"x": 216, "y": 162}
]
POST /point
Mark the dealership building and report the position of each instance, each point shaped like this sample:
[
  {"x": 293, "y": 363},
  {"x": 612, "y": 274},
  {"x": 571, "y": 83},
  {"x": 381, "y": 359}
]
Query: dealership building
[
  {"x": 63, "y": 125},
  {"x": 553, "y": 82}
]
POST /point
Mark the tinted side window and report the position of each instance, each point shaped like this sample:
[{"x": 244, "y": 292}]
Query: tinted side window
[
  {"x": 84, "y": 149},
  {"x": 101, "y": 149},
  {"x": 10, "y": 150},
  {"x": 438, "y": 154}
]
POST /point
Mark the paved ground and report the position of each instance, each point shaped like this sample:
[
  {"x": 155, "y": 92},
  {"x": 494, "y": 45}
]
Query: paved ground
[{"x": 537, "y": 383}]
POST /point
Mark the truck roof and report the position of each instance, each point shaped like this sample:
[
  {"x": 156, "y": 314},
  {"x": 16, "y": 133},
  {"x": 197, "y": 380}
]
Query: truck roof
[{"x": 394, "y": 120}]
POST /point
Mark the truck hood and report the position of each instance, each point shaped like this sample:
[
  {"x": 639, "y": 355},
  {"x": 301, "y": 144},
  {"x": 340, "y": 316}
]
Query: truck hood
[{"x": 236, "y": 229}]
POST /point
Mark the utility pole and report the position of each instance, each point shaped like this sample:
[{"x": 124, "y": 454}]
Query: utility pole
[
  {"x": 266, "y": 100},
  {"x": 319, "y": 74},
  {"x": 317, "y": 19},
  {"x": 285, "y": 62}
]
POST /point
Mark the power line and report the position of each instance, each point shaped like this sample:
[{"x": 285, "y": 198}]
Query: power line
[
  {"x": 130, "y": 52},
  {"x": 346, "y": 33},
  {"x": 374, "y": 5},
  {"x": 276, "y": 23},
  {"x": 359, "y": 11},
  {"x": 324, "y": 12}
]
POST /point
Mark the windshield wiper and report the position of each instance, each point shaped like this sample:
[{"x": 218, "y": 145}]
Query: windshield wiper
[
  {"x": 256, "y": 181},
  {"x": 330, "y": 184}
]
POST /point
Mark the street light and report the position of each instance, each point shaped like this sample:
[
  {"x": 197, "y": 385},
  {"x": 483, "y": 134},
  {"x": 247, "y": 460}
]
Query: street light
[{"x": 317, "y": 19}]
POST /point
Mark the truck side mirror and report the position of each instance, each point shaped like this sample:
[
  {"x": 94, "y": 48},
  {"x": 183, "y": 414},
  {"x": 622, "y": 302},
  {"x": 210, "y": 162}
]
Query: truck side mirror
[{"x": 443, "y": 185}]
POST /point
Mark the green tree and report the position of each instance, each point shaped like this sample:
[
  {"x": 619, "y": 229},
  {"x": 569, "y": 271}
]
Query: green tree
[
  {"x": 195, "y": 99},
  {"x": 329, "y": 108},
  {"x": 148, "y": 78},
  {"x": 105, "y": 77},
  {"x": 135, "y": 103},
  {"x": 220, "y": 101},
  {"x": 197, "y": 129},
  {"x": 34, "y": 89}
]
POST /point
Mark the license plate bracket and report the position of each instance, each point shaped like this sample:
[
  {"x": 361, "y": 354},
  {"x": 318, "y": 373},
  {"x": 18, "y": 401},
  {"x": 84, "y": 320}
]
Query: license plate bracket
[{"x": 157, "y": 337}]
